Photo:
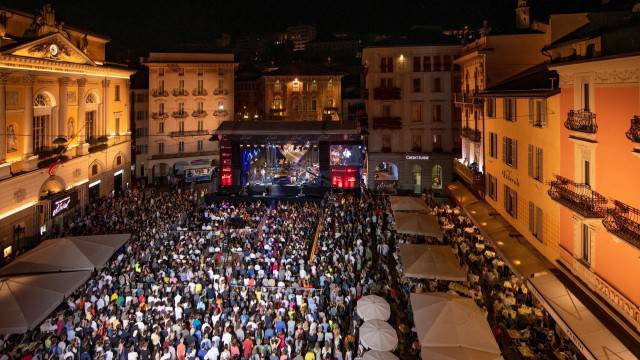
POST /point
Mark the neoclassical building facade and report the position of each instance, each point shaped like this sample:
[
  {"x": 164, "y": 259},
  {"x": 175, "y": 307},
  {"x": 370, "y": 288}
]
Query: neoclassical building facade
[{"x": 64, "y": 116}]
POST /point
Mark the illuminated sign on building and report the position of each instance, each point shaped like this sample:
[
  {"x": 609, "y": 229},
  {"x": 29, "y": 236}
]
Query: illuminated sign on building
[
  {"x": 416, "y": 157},
  {"x": 61, "y": 204}
]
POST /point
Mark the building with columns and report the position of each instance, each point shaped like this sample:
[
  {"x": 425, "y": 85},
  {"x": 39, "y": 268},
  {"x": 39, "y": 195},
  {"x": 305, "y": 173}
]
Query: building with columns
[
  {"x": 190, "y": 95},
  {"x": 65, "y": 124}
]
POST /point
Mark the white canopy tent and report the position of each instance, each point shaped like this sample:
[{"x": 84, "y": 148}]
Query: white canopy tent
[
  {"x": 430, "y": 262},
  {"x": 379, "y": 355},
  {"x": 373, "y": 307},
  {"x": 378, "y": 335},
  {"x": 25, "y": 301},
  {"x": 67, "y": 254},
  {"x": 448, "y": 324},
  {"x": 417, "y": 223},
  {"x": 407, "y": 203}
]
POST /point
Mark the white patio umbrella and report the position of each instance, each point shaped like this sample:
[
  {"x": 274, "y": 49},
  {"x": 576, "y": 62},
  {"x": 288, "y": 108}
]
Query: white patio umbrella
[
  {"x": 379, "y": 355},
  {"x": 378, "y": 335},
  {"x": 373, "y": 307}
]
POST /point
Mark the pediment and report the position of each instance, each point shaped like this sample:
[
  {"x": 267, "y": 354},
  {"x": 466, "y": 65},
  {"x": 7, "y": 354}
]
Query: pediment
[{"x": 55, "y": 47}]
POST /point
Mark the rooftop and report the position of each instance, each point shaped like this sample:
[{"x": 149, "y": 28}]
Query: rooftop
[
  {"x": 535, "y": 81},
  {"x": 302, "y": 69}
]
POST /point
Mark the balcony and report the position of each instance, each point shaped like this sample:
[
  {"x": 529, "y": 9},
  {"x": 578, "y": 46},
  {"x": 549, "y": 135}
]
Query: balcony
[
  {"x": 220, "y": 113},
  {"x": 624, "y": 222},
  {"x": 159, "y": 116},
  {"x": 467, "y": 99},
  {"x": 633, "y": 133},
  {"x": 199, "y": 92},
  {"x": 220, "y": 92},
  {"x": 582, "y": 121},
  {"x": 390, "y": 93},
  {"x": 188, "y": 133},
  {"x": 159, "y": 93},
  {"x": 183, "y": 155},
  {"x": 179, "y": 92},
  {"x": 179, "y": 114},
  {"x": 471, "y": 134},
  {"x": 199, "y": 113},
  {"x": 578, "y": 197},
  {"x": 387, "y": 122},
  {"x": 470, "y": 175}
]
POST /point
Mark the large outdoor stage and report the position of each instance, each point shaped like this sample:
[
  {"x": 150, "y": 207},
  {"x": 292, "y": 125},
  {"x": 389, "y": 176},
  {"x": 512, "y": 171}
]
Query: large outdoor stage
[{"x": 289, "y": 158}]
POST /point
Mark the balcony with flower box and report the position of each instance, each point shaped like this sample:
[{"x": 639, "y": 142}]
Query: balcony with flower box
[
  {"x": 159, "y": 93},
  {"x": 624, "y": 222},
  {"x": 199, "y": 92},
  {"x": 159, "y": 115},
  {"x": 386, "y": 93},
  {"x": 179, "y": 114},
  {"x": 179, "y": 92},
  {"x": 578, "y": 197},
  {"x": 199, "y": 113},
  {"x": 583, "y": 121},
  {"x": 220, "y": 92},
  {"x": 387, "y": 122}
]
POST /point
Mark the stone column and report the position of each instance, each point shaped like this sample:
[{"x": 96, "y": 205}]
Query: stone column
[
  {"x": 81, "y": 111},
  {"x": 62, "y": 108},
  {"x": 106, "y": 108},
  {"x": 27, "y": 149},
  {"x": 4, "y": 79}
]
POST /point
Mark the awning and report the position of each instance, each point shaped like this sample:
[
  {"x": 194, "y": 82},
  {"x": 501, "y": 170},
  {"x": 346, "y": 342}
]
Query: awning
[
  {"x": 430, "y": 262},
  {"x": 407, "y": 203},
  {"x": 417, "y": 223},
  {"x": 590, "y": 336},
  {"x": 25, "y": 301},
  {"x": 445, "y": 321},
  {"x": 67, "y": 254}
]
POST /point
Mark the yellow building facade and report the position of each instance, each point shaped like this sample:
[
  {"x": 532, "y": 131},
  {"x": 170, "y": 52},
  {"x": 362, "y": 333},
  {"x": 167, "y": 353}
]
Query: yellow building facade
[
  {"x": 522, "y": 153},
  {"x": 65, "y": 119}
]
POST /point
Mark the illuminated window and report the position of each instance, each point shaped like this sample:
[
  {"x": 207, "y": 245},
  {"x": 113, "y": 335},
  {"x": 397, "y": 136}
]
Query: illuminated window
[
  {"x": 295, "y": 85},
  {"x": 330, "y": 85},
  {"x": 330, "y": 102},
  {"x": 314, "y": 86},
  {"x": 91, "y": 99},
  {"x": 277, "y": 86},
  {"x": 277, "y": 102}
]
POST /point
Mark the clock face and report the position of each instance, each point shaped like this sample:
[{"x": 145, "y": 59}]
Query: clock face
[{"x": 53, "y": 49}]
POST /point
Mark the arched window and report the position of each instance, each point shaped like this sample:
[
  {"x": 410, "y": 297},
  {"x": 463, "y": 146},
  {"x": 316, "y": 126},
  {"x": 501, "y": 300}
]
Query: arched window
[
  {"x": 119, "y": 160},
  {"x": 42, "y": 105},
  {"x": 436, "y": 177},
  {"x": 91, "y": 99},
  {"x": 417, "y": 178},
  {"x": 94, "y": 169},
  {"x": 41, "y": 100}
]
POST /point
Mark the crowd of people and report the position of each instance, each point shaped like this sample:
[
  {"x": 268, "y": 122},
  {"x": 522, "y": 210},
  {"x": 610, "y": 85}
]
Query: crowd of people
[{"x": 249, "y": 280}]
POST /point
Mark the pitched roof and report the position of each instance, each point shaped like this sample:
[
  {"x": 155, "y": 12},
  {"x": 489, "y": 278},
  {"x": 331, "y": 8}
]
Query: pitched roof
[{"x": 534, "y": 81}]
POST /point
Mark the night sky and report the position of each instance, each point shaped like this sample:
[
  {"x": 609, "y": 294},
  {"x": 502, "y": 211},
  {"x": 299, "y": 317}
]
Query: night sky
[{"x": 137, "y": 26}]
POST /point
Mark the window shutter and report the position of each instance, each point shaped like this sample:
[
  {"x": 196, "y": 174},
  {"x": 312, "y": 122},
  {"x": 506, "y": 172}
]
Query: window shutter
[
  {"x": 532, "y": 218},
  {"x": 543, "y": 116},
  {"x": 539, "y": 223},
  {"x": 504, "y": 149},
  {"x": 505, "y": 109},
  {"x": 540, "y": 165},
  {"x": 530, "y": 160},
  {"x": 532, "y": 114},
  {"x": 515, "y": 153},
  {"x": 514, "y": 112},
  {"x": 515, "y": 204}
]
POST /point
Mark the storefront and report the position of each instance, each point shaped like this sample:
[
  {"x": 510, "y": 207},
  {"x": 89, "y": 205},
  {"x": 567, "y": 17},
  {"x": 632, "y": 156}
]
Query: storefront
[
  {"x": 58, "y": 209},
  {"x": 414, "y": 172}
]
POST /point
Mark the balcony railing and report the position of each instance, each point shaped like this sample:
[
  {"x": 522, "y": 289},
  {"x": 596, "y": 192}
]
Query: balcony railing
[
  {"x": 199, "y": 92},
  {"x": 159, "y": 116},
  {"x": 220, "y": 92},
  {"x": 470, "y": 174},
  {"x": 633, "y": 133},
  {"x": 179, "y": 114},
  {"x": 387, "y": 122},
  {"x": 467, "y": 98},
  {"x": 220, "y": 113},
  {"x": 578, "y": 197},
  {"x": 624, "y": 222},
  {"x": 582, "y": 121},
  {"x": 471, "y": 134},
  {"x": 188, "y": 133},
  {"x": 179, "y": 92},
  {"x": 388, "y": 93},
  {"x": 183, "y": 155},
  {"x": 159, "y": 93},
  {"x": 199, "y": 113}
]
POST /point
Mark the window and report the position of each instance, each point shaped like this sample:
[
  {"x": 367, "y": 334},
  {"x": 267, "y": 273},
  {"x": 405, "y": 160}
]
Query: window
[
  {"x": 200, "y": 106},
  {"x": 437, "y": 113},
  {"x": 586, "y": 238},
  {"x": 181, "y": 84},
  {"x": 491, "y": 107},
  {"x": 585, "y": 97},
  {"x": 140, "y": 115},
  {"x": 510, "y": 151},
  {"x": 160, "y": 148},
  {"x": 277, "y": 86},
  {"x": 417, "y": 85},
  {"x": 117, "y": 93},
  {"x": 386, "y": 83},
  {"x": 416, "y": 111},
  {"x": 436, "y": 177},
  {"x": 386, "y": 64},
  {"x": 386, "y": 110},
  {"x": 386, "y": 142},
  {"x": 314, "y": 104},
  {"x": 417, "y": 64},
  {"x": 181, "y": 146},
  {"x": 117, "y": 123},
  {"x": 426, "y": 63},
  {"x": 416, "y": 143},
  {"x": 160, "y": 71},
  {"x": 220, "y": 105},
  {"x": 535, "y": 221},
  {"x": 330, "y": 85},
  {"x": 181, "y": 126},
  {"x": 161, "y": 85},
  {"x": 314, "y": 85},
  {"x": 200, "y": 145},
  {"x": 586, "y": 175},
  {"x": 89, "y": 125},
  {"x": 330, "y": 102},
  {"x": 492, "y": 187},
  {"x": 161, "y": 108},
  {"x": 200, "y": 86},
  {"x": 511, "y": 202},
  {"x": 161, "y": 127},
  {"x": 39, "y": 125},
  {"x": 535, "y": 161},
  {"x": 200, "y": 125},
  {"x": 437, "y": 142},
  {"x": 437, "y": 84},
  {"x": 94, "y": 169},
  {"x": 493, "y": 145},
  {"x": 436, "y": 64},
  {"x": 181, "y": 108},
  {"x": 538, "y": 113},
  {"x": 510, "y": 109},
  {"x": 277, "y": 102}
]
